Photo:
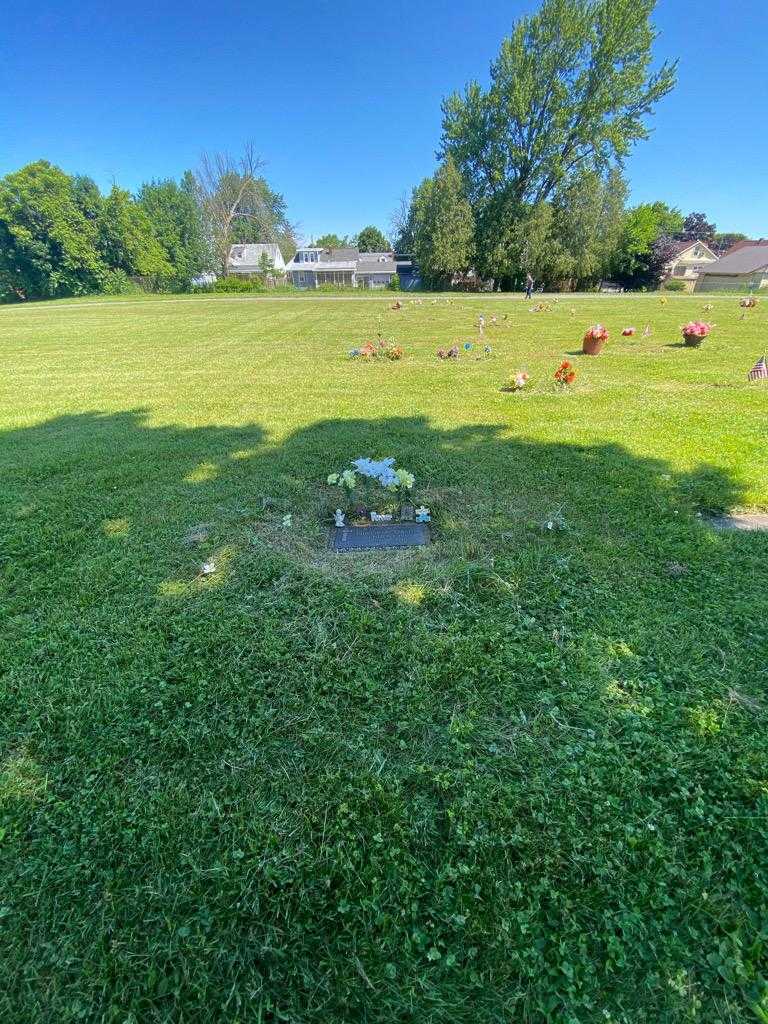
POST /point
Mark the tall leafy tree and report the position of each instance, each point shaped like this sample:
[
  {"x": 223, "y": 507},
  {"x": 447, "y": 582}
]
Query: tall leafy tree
[
  {"x": 371, "y": 239},
  {"x": 696, "y": 227},
  {"x": 174, "y": 218},
  {"x": 569, "y": 92},
  {"x": 48, "y": 245},
  {"x": 443, "y": 234},
  {"x": 587, "y": 222},
  {"x": 126, "y": 239},
  {"x": 513, "y": 240},
  {"x": 635, "y": 262},
  {"x": 569, "y": 95},
  {"x": 87, "y": 195}
]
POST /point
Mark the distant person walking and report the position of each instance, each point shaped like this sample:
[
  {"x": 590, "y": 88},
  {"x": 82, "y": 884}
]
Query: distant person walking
[{"x": 528, "y": 286}]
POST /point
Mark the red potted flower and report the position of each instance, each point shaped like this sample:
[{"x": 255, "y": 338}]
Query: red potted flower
[
  {"x": 594, "y": 339},
  {"x": 695, "y": 332}
]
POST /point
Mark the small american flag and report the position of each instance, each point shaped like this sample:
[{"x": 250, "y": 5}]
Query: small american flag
[{"x": 759, "y": 371}]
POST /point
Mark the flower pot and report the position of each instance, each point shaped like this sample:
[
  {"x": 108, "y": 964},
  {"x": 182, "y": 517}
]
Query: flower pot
[
  {"x": 693, "y": 340},
  {"x": 592, "y": 346}
]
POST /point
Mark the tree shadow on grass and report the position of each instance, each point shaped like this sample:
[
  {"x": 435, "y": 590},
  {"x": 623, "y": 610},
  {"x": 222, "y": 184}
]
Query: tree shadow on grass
[{"x": 417, "y": 790}]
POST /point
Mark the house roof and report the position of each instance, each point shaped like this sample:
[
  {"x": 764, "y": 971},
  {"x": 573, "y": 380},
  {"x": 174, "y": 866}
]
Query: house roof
[
  {"x": 682, "y": 246},
  {"x": 376, "y": 266},
  {"x": 347, "y": 258},
  {"x": 250, "y": 254},
  {"x": 321, "y": 265},
  {"x": 742, "y": 261},
  {"x": 744, "y": 243},
  {"x": 343, "y": 252}
]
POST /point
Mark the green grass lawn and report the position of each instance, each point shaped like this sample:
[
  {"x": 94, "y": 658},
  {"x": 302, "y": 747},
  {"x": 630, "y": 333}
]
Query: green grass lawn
[{"x": 518, "y": 776}]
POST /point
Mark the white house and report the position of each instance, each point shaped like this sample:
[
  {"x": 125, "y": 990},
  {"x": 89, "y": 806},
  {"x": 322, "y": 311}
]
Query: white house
[
  {"x": 690, "y": 259},
  {"x": 246, "y": 259}
]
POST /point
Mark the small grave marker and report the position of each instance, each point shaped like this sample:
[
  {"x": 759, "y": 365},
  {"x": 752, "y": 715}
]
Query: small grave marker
[
  {"x": 743, "y": 521},
  {"x": 382, "y": 535}
]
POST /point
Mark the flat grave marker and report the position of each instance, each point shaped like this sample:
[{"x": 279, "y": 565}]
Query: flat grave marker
[
  {"x": 739, "y": 521},
  {"x": 379, "y": 536}
]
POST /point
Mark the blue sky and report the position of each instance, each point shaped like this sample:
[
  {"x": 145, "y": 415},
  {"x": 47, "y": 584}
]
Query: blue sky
[{"x": 343, "y": 99}]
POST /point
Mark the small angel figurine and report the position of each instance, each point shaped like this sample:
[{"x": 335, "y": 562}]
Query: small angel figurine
[
  {"x": 338, "y": 517},
  {"x": 422, "y": 514}
]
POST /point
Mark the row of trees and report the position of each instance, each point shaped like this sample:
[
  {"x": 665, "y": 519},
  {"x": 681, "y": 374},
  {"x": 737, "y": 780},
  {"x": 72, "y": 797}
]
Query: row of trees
[
  {"x": 530, "y": 178},
  {"x": 60, "y": 236}
]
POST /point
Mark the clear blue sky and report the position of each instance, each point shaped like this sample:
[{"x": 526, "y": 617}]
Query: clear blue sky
[{"x": 343, "y": 98}]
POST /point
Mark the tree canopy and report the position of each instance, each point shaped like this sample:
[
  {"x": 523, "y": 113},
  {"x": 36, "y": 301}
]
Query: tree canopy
[
  {"x": 697, "y": 227},
  {"x": 636, "y": 263},
  {"x": 371, "y": 239},
  {"x": 48, "y": 243},
  {"x": 443, "y": 225},
  {"x": 570, "y": 91},
  {"x": 126, "y": 240},
  {"x": 173, "y": 214},
  {"x": 332, "y": 241}
]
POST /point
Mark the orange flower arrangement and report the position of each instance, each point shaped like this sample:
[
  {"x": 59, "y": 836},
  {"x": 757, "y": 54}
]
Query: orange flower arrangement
[{"x": 565, "y": 373}]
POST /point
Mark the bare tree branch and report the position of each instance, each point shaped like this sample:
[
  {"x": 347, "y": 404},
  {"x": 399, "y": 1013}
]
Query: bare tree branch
[{"x": 230, "y": 189}]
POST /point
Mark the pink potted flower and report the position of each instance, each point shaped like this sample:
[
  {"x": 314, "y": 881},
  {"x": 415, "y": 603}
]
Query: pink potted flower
[
  {"x": 594, "y": 339},
  {"x": 695, "y": 332},
  {"x": 628, "y": 332}
]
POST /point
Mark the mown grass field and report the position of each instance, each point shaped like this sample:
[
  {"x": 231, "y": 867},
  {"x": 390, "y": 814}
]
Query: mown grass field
[{"x": 521, "y": 775}]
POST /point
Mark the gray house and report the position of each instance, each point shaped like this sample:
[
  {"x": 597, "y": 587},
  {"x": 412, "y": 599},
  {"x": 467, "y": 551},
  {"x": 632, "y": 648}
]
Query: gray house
[
  {"x": 744, "y": 267},
  {"x": 347, "y": 267}
]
